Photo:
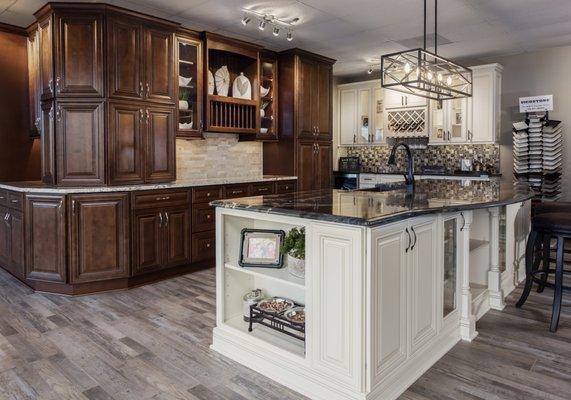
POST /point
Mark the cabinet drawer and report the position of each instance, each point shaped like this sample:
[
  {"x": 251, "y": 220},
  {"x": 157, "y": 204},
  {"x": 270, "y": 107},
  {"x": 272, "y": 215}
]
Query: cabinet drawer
[
  {"x": 285, "y": 187},
  {"x": 15, "y": 200},
  {"x": 203, "y": 246},
  {"x": 240, "y": 190},
  {"x": 203, "y": 217},
  {"x": 206, "y": 194},
  {"x": 263, "y": 188},
  {"x": 3, "y": 197},
  {"x": 152, "y": 199}
]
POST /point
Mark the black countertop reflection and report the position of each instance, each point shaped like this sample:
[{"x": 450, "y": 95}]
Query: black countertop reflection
[{"x": 388, "y": 203}]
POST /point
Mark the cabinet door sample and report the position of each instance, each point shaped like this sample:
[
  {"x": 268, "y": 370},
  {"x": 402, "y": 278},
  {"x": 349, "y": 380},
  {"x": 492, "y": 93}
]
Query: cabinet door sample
[
  {"x": 125, "y": 143},
  {"x": 99, "y": 237},
  {"x": 177, "y": 239},
  {"x": 159, "y": 65},
  {"x": 80, "y": 144},
  {"x": 124, "y": 58},
  {"x": 79, "y": 60},
  {"x": 45, "y": 238},
  {"x": 160, "y": 144},
  {"x": 147, "y": 241}
]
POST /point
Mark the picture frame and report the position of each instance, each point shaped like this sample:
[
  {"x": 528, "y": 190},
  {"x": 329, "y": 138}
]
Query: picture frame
[{"x": 261, "y": 248}]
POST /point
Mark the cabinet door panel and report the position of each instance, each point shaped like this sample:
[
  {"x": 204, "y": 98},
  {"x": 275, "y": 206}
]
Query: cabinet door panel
[
  {"x": 79, "y": 67},
  {"x": 99, "y": 237},
  {"x": 388, "y": 299},
  {"x": 348, "y": 115},
  {"x": 323, "y": 121},
  {"x": 147, "y": 241},
  {"x": 47, "y": 148},
  {"x": 483, "y": 107},
  {"x": 4, "y": 236},
  {"x": 203, "y": 246},
  {"x": 160, "y": 147},
  {"x": 46, "y": 58},
  {"x": 159, "y": 65},
  {"x": 124, "y": 58},
  {"x": 324, "y": 165},
  {"x": 17, "y": 243},
  {"x": 34, "y": 83},
  {"x": 80, "y": 143},
  {"x": 177, "y": 246},
  {"x": 336, "y": 306},
  {"x": 306, "y": 163},
  {"x": 45, "y": 238},
  {"x": 424, "y": 278},
  {"x": 125, "y": 143},
  {"x": 307, "y": 94}
]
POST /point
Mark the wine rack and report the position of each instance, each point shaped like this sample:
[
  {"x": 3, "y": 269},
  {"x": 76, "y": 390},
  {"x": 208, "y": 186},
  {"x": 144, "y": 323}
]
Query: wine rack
[{"x": 408, "y": 122}]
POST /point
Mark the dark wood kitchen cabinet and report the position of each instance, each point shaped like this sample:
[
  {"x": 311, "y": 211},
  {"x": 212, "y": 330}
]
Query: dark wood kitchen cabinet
[
  {"x": 314, "y": 94},
  {"x": 159, "y": 64},
  {"x": 12, "y": 241},
  {"x": 47, "y": 141},
  {"x": 315, "y": 165},
  {"x": 4, "y": 236},
  {"x": 45, "y": 58},
  {"x": 160, "y": 144},
  {"x": 98, "y": 237},
  {"x": 45, "y": 245}
]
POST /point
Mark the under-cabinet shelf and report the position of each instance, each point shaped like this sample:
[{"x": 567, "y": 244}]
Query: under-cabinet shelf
[
  {"x": 186, "y": 62},
  {"x": 281, "y": 275}
]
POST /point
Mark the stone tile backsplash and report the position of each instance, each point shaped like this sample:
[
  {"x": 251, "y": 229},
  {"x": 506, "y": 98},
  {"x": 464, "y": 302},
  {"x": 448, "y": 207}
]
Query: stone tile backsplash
[
  {"x": 375, "y": 158},
  {"x": 218, "y": 156}
]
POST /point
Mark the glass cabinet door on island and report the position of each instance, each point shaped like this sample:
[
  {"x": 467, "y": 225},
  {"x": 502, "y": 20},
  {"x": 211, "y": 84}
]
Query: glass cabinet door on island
[
  {"x": 189, "y": 88},
  {"x": 450, "y": 263}
]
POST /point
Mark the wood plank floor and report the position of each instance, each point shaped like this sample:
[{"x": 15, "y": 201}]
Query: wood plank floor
[{"x": 153, "y": 343}]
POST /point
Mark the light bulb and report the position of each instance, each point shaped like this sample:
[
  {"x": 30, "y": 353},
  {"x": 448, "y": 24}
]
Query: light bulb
[
  {"x": 246, "y": 21},
  {"x": 262, "y": 25},
  {"x": 449, "y": 80},
  {"x": 439, "y": 77},
  {"x": 370, "y": 70},
  {"x": 407, "y": 68},
  {"x": 289, "y": 36},
  {"x": 276, "y": 31},
  {"x": 417, "y": 72},
  {"x": 429, "y": 75}
]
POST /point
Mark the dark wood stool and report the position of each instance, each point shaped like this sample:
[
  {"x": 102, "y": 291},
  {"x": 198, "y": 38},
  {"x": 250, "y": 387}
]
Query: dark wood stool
[{"x": 544, "y": 228}]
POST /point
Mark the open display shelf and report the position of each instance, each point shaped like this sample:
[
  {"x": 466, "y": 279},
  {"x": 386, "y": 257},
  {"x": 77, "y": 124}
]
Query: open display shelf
[
  {"x": 228, "y": 114},
  {"x": 189, "y": 66},
  {"x": 268, "y": 102},
  {"x": 281, "y": 275}
]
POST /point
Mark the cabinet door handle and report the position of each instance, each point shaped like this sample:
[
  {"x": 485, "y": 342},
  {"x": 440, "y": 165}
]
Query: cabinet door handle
[
  {"x": 58, "y": 113},
  {"x": 469, "y": 135},
  {"x": 167, "y": 219},
  {"x": 318, "y": 131},
  {"x": 148, "y": 89},
  {"x": 147, "y": 118},
  {"x": 14, "y": 201},
  {"x": 141, "y": 117},
  {"x": 415, "y": 238},
  {"x": 317, "y": 148},
  {"x": 51, "y": 85},
  {"x": 140, "y": 89},
  {"x": 57, "y": 84},
  {"x": 409, "y": 240},
  {"x": 406, "y": 100},
  {"x": 2, "y": 198}
]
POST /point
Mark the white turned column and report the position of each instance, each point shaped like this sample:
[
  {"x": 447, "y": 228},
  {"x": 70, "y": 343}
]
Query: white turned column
[
  {"x": 494, "y": 274},
  {"x": 467, "y": 318}
]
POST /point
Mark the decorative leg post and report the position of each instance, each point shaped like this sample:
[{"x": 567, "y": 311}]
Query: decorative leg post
[
  {"x": 494, "y": 274},
  {"x": 467, "y": 318}
]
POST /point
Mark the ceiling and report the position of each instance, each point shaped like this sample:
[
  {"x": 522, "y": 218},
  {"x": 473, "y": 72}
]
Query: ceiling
[{"x": 356, "y": 32}]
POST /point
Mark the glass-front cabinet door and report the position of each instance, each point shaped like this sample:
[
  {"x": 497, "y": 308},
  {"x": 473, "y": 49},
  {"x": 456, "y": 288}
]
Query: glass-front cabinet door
[
  {"x": 450, "y": 295},
  {"x": 364, "y": 129},
  {"x": 438, "y": 132},
  {"x": 189, "y": 71},
  {"x": 457, "y": 120}
]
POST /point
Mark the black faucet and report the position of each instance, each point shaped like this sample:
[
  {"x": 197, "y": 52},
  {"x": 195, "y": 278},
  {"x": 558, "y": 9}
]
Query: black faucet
[{"x": 409, "y": 176}]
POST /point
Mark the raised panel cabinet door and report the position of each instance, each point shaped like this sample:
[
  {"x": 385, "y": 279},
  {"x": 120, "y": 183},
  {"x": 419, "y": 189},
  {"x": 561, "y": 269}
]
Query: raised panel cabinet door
[
  {"x": 47, "y": 139},
  {"x": 306, "y": 174},
  {"x": 17, "y": 243},
  {"x": 177, "y": 239},
  {"x": 46, "y": 58},
  {"x": 125, "y": 143},
  {"x": 80, "y": 144},
  {"x": 307, "y": 89},
  {"x": 424, "y": 280},
  {"x": 124, "y": 58},
  {"x": 388, "y": 299},
  {"x": 79, "y": 55},
  {"x": 159, "y": 65},
  {"x": 348, "y": 116},
  {"x": 99, "y": 237},
  {"x": 483, "y": 103},
  {"x": 45, "y": 238},
  {"x": 148, "y": 239},
  {"x": 324, "y": 165},
  {"x": 34, "y": 83},
  {"x": 4, "y": 236},
  {"x": 325, "y": 99},
  {"x": 337, "y": 327},
  {"x": 160, "y": 144}
]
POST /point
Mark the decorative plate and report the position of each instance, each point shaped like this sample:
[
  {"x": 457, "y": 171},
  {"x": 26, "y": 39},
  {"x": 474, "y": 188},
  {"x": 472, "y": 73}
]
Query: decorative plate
[
  {"x": 222, "y": 79},
  {"x": 210, "y": 83},
  {"x": 275, "y": 305},
  {"x": 242, "y": 88}
]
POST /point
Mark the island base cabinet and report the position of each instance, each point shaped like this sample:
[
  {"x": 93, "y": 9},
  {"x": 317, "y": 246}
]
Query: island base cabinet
[{"x": 99, "y": 237}]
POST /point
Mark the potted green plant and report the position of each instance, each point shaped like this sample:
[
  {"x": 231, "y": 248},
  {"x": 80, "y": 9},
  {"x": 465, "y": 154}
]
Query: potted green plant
[{"x": 294, "y": 247}]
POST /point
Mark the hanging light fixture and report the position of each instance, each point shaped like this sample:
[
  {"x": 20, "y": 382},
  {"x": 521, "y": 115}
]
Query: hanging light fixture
[
  {"x": 274, "y": 24},
  {"x": 426, "y": 74}
]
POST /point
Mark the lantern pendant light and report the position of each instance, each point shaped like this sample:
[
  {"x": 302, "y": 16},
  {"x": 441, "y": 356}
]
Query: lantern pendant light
[{"x": 426, "y": 74}]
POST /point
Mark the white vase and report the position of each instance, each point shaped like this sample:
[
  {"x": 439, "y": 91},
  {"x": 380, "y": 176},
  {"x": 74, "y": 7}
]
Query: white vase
[
  {"x": 183, "y": 105},
  {"x": 296, "y": 266},
  {"x": 242, "y": 88},
  {"x": 262, "y": 112}
]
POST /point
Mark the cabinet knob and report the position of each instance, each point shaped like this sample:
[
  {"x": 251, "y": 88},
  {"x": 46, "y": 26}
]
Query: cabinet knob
[
  {"x": 208, "y": 194},
  {"x": 148, "y": 89},
  {"x": 208, "y": 245},
  {"x": 208, "y": 216},
  {"x": 57, "y": 84}
]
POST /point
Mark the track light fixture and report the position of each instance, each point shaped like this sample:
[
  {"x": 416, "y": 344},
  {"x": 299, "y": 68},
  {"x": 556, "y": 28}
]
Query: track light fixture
[{"x": 276, "y": 24}]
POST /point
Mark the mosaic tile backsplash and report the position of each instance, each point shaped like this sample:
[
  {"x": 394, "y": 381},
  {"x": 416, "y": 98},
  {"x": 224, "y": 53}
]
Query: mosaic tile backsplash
[{"x": 375, "y": 159}]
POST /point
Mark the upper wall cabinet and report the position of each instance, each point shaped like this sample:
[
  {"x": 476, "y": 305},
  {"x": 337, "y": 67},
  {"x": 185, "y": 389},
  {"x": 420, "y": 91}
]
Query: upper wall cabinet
[
  {"x": 140, "y": 60},
  {"x": 394, "y": 99},
  {"x": 34, "y": 81},
  {"x": 314, "y": 94}
]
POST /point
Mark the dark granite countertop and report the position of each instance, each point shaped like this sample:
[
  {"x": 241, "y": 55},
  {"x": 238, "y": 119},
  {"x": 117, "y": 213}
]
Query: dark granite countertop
[{"x": 389, "y": 203}]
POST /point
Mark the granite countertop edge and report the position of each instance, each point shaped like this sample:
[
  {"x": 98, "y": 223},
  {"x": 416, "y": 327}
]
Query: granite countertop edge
[{"x": 39, "y": 187}]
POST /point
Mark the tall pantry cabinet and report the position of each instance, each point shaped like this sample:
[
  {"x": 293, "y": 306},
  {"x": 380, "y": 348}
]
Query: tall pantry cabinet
[{"x": 305, "y": 147}]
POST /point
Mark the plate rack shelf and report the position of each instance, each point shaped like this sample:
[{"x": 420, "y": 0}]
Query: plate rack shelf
[{"x": 228, "y": 114}]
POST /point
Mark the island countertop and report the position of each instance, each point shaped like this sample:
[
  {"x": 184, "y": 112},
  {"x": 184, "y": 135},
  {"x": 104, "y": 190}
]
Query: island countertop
[{"x": 389, "y": 203}]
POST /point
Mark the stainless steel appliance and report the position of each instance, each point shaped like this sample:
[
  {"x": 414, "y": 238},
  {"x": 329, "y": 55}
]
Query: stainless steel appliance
[{"x": 345, "y": 180}]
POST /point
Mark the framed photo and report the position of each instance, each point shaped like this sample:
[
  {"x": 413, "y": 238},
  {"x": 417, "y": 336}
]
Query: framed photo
[{"x": 261, "y": 248}]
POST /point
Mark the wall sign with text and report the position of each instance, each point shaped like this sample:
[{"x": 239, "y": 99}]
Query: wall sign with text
[{"x": 536, "y": 103}]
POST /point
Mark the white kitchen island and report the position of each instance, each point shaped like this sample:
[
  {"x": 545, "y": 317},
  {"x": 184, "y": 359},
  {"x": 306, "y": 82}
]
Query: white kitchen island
[{"x": 387, "y": 290}]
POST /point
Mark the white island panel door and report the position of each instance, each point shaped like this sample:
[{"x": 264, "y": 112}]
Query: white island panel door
[{"x": 335, "y": 320}]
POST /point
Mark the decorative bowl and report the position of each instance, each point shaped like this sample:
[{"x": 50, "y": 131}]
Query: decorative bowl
[
  {"x": 296, "y": 315},
  {"x": 263, "y": 130},
  {"x": 275, "y": 305},
  {"x": 264, "y": 91}
]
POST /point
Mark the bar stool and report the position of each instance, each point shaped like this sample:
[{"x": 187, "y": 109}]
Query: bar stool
[{"x": 544, "y": 227}]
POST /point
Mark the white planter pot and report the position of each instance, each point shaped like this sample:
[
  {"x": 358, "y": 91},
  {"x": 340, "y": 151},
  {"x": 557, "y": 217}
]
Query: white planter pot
[
  {"x": 183, "y": 105},
  {"x": 296, "y": 266}
]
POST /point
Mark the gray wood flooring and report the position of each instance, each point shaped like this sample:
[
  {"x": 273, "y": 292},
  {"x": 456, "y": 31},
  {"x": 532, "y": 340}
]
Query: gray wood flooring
[{"x": 152, "y": 343}]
